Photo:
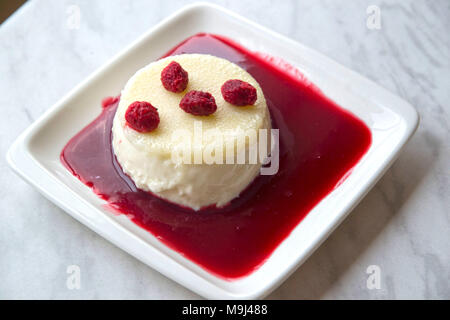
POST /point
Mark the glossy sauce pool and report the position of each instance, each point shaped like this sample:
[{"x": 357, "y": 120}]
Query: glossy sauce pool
[{"x": 319, "y": 144}]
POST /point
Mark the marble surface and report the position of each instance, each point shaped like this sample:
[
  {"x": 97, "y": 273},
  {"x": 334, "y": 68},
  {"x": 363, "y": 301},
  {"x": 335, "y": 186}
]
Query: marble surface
[{"x": 402, "y": 225}]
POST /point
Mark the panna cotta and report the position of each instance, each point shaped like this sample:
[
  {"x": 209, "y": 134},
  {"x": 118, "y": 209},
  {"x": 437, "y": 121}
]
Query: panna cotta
[{"x": 191, "y": 159}]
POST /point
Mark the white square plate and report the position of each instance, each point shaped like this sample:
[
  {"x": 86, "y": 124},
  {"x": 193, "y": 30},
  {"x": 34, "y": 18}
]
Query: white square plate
[{"x": 35, "y": 154}]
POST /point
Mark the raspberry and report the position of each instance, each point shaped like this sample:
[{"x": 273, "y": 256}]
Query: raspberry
[
  {"x": 174, "y": 78},
  {"x": 198, "y": 103},
  {"x": 239, "y": 93},
  {"x": 142, "y": 116}
]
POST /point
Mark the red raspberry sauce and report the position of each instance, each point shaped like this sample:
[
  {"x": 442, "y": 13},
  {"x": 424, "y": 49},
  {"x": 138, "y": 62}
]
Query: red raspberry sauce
[{"x": 320, "y": 144}]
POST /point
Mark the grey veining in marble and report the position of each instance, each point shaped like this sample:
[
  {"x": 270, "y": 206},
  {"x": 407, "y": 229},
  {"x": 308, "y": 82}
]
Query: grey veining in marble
[{"x": 402, "y": 225}]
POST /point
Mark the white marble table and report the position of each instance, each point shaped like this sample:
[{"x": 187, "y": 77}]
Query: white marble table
[{"x": 402, "y": 226}]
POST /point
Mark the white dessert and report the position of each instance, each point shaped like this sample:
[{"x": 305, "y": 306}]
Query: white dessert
[{"x": 147, "y": 158}]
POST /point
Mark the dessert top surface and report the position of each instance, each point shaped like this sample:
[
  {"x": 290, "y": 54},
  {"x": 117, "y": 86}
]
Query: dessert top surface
[{"x": 206, "y": 73}]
